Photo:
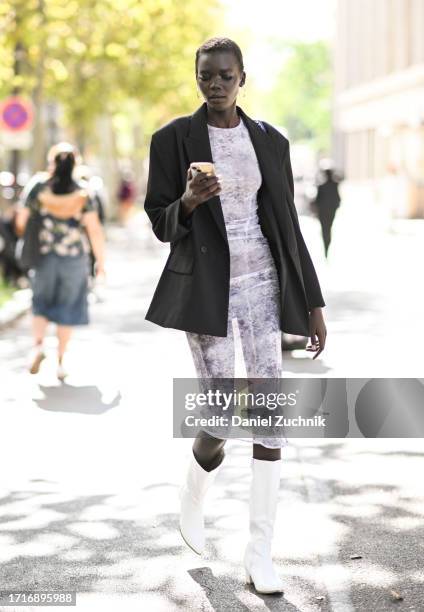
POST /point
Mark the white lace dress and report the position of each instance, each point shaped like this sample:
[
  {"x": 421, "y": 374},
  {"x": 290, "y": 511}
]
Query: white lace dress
[{"x": 254, "y": 286}]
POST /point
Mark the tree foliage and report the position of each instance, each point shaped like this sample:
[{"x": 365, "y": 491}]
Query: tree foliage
[
  {"x": 95, "y": 56},
  {"x": 300, "y": 99}
]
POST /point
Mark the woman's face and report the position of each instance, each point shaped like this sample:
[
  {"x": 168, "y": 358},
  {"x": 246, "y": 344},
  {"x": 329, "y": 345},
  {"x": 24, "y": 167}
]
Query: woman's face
[{"x": 219, "y": 78}]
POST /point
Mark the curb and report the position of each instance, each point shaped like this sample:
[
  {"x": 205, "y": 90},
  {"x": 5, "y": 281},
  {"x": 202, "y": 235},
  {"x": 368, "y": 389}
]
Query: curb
[{"x": 15, "y": 308}]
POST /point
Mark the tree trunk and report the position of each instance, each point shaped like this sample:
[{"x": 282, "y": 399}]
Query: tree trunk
[
  {"x": 109, "y": 166},
  {"x": 38, "y": 152}
]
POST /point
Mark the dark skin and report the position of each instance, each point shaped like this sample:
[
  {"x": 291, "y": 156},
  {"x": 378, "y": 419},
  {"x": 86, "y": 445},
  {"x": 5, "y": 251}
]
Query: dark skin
[
  {"x": 219, "y": 78},
  {"x": 219, "y": 74}
]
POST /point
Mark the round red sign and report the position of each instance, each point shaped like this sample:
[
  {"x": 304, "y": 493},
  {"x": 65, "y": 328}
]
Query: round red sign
[{"x": 16, "y": 114}]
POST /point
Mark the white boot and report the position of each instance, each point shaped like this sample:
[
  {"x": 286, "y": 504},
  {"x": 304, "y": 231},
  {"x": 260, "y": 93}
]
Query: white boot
[
  {"x": 263, "y": 505},
  {"x": 192, "y": 494}
]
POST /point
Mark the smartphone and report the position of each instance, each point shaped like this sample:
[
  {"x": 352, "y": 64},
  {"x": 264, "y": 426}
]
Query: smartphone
[{"x": 207, "y": 167}]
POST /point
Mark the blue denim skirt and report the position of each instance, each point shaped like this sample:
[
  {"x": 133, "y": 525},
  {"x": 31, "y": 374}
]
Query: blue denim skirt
[{"x": 60, "y": 288}]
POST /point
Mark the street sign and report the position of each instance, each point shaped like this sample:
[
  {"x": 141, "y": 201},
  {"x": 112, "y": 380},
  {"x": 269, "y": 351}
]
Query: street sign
[{"x": 16, "y": 114}]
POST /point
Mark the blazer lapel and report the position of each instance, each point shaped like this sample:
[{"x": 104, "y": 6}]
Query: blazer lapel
[
  {"x": 269, "y": 161},
  {"x": 197, "y": 146},
  {"x": 267, "y": 155}
]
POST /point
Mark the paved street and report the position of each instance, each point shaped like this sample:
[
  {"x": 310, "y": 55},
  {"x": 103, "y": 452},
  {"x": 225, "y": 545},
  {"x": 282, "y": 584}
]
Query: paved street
[{"x": 90, "y": 472}]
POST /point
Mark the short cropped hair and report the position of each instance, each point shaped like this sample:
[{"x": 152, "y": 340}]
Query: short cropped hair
[{"x": 220, "y": 43}]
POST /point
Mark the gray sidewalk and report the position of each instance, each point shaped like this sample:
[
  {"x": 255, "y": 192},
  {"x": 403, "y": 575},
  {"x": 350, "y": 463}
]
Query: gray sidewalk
[
  {"x": 118, "y": 540},
  {"x": 89, "y": 498}
]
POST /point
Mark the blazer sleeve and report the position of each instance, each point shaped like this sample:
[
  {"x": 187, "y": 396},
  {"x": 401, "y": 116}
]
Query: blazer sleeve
[
  {"x": 312, "y": 287},
  {"x": 163, "y": 202}
]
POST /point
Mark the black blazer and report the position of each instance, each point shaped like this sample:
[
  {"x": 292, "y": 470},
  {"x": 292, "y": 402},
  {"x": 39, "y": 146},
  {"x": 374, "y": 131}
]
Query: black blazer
[{"x": 193, "y": 291}]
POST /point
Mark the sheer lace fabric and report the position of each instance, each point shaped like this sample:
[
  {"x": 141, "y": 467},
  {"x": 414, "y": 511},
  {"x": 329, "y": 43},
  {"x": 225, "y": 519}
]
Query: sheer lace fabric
[{"x": 254, "y": 286}]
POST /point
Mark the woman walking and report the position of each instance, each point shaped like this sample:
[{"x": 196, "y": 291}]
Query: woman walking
[
  {"x": 59, "y": 279},
  {"x": 237, "y": 258},
  {"x": 326, "y": 203}
]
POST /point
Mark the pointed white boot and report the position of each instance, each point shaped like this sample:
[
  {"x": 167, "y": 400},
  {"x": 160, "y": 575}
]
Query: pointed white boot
[
  {"x": 192, "y": 495},
  {"x": 263, "y": 505}
]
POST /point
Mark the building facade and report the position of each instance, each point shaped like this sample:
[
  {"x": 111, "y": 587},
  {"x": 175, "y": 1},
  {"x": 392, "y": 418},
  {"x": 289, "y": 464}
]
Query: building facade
[{"x": 378, "y": 104}]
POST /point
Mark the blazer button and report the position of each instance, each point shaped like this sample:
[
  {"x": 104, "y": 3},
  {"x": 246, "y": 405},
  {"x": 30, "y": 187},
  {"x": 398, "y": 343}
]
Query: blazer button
[{"x": 204, "y": 249}]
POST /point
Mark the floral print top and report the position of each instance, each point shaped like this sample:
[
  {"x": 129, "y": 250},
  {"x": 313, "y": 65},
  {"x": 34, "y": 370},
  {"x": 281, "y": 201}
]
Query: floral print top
[{"x": 65, "y": 237}]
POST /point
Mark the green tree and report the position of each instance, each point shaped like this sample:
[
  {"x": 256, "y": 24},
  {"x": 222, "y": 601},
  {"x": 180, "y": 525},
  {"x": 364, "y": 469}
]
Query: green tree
[
  {"x": 300, "y": 99},
  {"x": 98, "y": 57}
]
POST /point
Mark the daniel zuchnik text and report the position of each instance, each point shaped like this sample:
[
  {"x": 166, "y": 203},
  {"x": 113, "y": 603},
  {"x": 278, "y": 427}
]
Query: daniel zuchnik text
[{"x": 238, "y": 421}]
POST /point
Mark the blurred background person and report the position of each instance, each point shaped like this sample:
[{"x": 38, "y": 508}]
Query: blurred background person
[
  {"x": 59, "y": 278},
  {"x": 325, "y": 205},
  {"x": 126, "y": 196}
]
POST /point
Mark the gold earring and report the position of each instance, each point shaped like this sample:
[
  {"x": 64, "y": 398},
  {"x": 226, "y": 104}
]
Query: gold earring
[{"x": 198, "y": 92}]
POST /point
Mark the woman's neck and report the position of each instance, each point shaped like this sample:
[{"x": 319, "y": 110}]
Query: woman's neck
[{"x": 227, "y": 118}]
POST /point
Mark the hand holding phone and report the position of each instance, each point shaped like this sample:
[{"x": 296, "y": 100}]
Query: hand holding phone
[
  {"x": 202, "y": 185},
  {"x": 207, "y": 167}
]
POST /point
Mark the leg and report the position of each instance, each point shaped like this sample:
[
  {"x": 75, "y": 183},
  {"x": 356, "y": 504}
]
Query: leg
[
  {"x": 266, "y": 454},
  {"x": 39, "y": 327},
  {"x": 326, "y": 232},
  {"x": 208, "y": 451},
  {"x": 43, "y": 287},
  {"x": 213, "y": 357},
  {"x": 260, "y": 334},
  {"x": 71, "y": 302},
  {"x": 63, "y": 335},
  {"x": 262, "y": 509},
  {"x": 208, "y": 455},
  {"x": 261, "y": 340},
  {"x": 326, "y": 225}
]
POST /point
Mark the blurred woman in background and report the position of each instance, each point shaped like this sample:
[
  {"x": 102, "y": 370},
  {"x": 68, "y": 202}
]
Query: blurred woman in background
[
  {"x": 59, "y": 278},
  {"x": 325, "y": 205},
  {"x": 126, "y": 197}
]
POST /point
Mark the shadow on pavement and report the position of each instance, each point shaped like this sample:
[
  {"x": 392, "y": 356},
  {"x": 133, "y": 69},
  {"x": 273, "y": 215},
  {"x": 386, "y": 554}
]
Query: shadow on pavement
[
  {"x": 92, "y": 543},
  {"x": 221, "y": 593},
  {"x": 82, "y": 400}
]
